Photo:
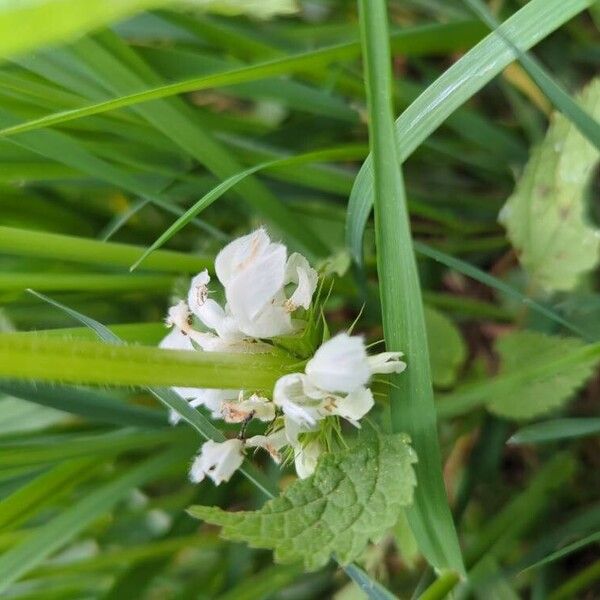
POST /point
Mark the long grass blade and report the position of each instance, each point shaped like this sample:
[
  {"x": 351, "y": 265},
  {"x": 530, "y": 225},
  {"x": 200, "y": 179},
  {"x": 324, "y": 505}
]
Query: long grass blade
[{"x": 411, "y": 396}]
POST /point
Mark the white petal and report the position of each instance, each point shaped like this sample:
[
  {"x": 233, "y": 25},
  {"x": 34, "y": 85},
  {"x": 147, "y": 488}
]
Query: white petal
[
  {"x": 254, "y": 407},
  {"x": 340, "y": 364},
  {"x": 273, "y": 321},
  {"x": 299, "y": 271},
  {"x": 289, "y": 395},
  {"x": 252, "y": 289},
  {"x": 272, "y": 443},
  {"x": 178, "y": 316},
  {"x": 355, "y": 405},
  {"x": 176, "y": 340},
  {"x": 387, "y": 362},
  {"x": 306, "y": 458},
  {"x": 238, "y": 254},
  {"x": 218, "y": 460},
  {"x": 198, "y": 292}
]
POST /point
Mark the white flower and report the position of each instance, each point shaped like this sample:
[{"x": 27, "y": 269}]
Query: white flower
[
  {"x": 272, "y": 443},
  {"x": 306, "y": 458},
  {"x": 335, "y": 382},
  {"x": 291, "y": 395},
  {"x": 254, "y": 272},
  {"x": 254, "y": 407},
  {"x": 340, "y": 364},
  {"x": 218, "y": 460}
]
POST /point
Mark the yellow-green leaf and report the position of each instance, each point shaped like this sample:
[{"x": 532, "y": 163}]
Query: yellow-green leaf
[{"x": 545, "y": 217}]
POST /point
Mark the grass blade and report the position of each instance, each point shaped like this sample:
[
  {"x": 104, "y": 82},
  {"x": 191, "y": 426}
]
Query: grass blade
[
  {"x": 536, "y": 20},
  {"x": 586, "y": 124},
  {"x": 555, "y": 430},
  {"x": 27, "y": 555},
  {"x": 411, "y": 396},
  {"x": 40, "y": 244}
]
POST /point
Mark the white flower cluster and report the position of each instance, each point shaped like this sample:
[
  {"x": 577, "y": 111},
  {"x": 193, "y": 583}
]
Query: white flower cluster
[{"x": 263, "y": 288}]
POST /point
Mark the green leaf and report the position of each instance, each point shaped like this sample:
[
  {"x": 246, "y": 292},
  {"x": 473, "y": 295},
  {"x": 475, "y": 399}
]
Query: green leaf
[
  {"x": 24, "y": 24},
  {"x": 541, "y": 396},
  {"x": 447, "y": 350},
  {"x": 354, "y": 496},
  {"x": 545, "y": 216}
]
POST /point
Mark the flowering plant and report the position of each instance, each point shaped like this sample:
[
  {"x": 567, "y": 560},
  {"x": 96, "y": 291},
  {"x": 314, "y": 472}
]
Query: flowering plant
[{"x": 269, "y": 294}]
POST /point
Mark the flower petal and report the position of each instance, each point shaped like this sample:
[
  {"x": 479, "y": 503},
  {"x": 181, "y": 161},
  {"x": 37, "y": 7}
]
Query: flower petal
[
  {"x": 238, "y": 254},
  {"x": 340, "y": 364},
  {"x": 218, "y": 460},
  {"x": 299, "y": 271},
  {"x": 289, "y": 395},
  {"x": 254, "y": 407},
  {"x": 355, "y": 405},
  {"x": 387, "y": 362},
  {"x": 306, "y": 458}
]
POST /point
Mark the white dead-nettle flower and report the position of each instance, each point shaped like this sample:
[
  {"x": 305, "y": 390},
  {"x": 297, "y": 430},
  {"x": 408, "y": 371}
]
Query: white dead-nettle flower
[
  {"x": 334, "y": 382},
  {"x": 254, "y": 407},
  {"x": 217, "y": 460},
  {"x": 255, "y": 273},
  {"x": 272, "y": 443}
]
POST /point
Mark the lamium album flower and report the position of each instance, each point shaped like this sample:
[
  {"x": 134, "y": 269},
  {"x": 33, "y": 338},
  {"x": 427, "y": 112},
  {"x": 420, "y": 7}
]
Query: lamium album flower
[{"x": 264, "y": 290}]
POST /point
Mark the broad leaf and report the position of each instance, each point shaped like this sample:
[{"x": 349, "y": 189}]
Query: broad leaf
[
  {"x": 447, "y": 350},
  {"x": 543, "y": 395},
  {"x": 545, "y": 217},
  {"x": 354, "y": 496}
]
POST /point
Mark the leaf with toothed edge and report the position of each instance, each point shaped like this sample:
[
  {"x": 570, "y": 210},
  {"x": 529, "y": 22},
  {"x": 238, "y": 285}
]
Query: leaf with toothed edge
[{"x": 354, "y": 496}]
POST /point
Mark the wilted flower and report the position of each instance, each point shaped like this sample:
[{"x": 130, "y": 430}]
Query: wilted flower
[{"x": 217, "y": 460}]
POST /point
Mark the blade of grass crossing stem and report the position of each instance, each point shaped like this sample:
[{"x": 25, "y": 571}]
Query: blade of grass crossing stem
[
  {"x": 478, "y": 275},
  {"x": 411, "y": 396},
  {"x": 174, "y": 402},
  {"x": 536, "y": 20},
  {"x": 586, "y": 124},
  {"x": 168, "y": 397},
  {"x": 219, "y": 190},
  {"x": 594, "y": 538},
  {"x": 50, "y": 537}
]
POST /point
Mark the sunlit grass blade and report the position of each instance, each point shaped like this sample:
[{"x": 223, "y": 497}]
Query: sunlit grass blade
[
  {"x": 411, "y": 396},
  {"x": 27, "y": 555},
  {"x": 556, "y": 430},
  {"x": 40, "y": 244},
  {"x": 373, "y": 589},
  {"x": 536, "y": 20},
  {"x": 586, "y": 124},
  {"x": 429, "y": 37},
  {"x": 218, "y": 191}
]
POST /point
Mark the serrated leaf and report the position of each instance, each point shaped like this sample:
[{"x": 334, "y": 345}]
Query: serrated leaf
[
  {"x": 354, "y": 496},
  {"x": 447, "y": 350},
  {"x": 538, "y": 397},
  {"x": 545, "y": 216}
]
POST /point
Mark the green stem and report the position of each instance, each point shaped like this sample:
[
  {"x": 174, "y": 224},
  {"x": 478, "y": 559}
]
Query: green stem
[
  {"x": 441, "y": 587},
  {"x": 411, "y": 396},
  {"x": 84, "y": 362}
]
